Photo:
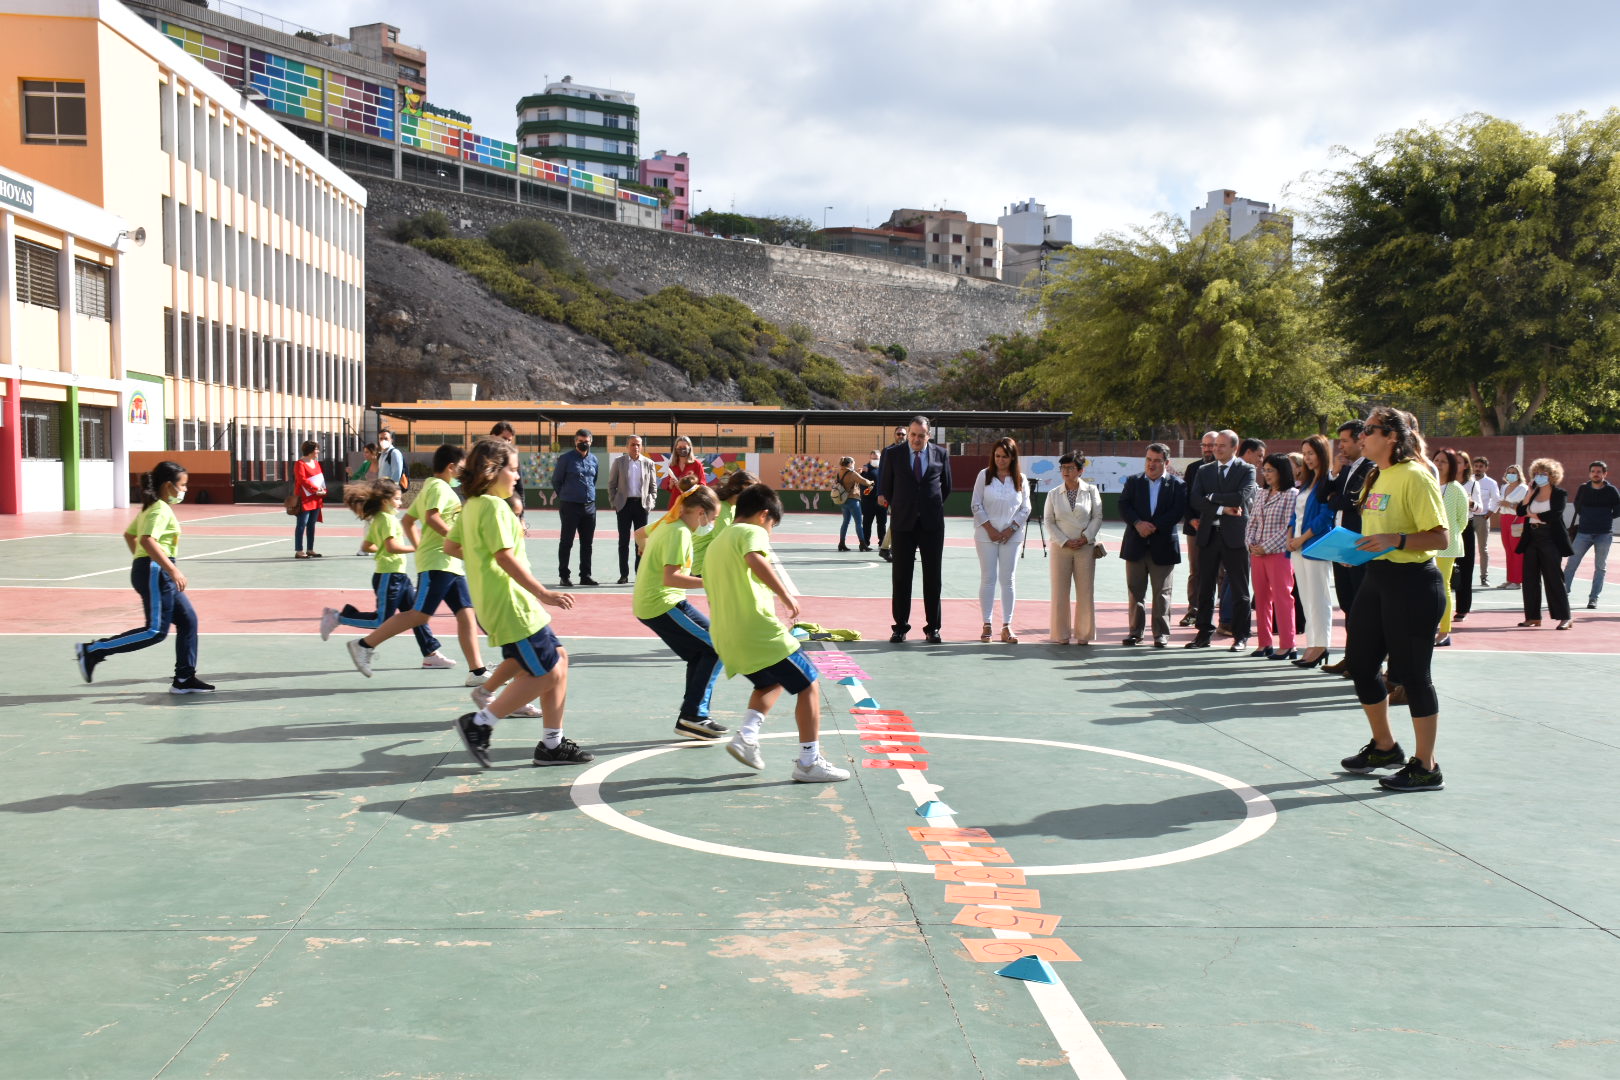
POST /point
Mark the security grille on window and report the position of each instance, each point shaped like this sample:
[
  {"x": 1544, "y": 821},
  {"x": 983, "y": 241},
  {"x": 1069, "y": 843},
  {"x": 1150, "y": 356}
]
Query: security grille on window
[
  {"x": 95, "y": 427},
  {"x": 92, "y": 286},
  {"x": 54, "y": 112},
  {"x": 42, "y": 430},
  {"x": 36, "y": 274}
]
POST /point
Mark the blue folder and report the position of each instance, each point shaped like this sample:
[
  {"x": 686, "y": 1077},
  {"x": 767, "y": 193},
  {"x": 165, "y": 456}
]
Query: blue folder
[{"x": 1340, "y": 546}]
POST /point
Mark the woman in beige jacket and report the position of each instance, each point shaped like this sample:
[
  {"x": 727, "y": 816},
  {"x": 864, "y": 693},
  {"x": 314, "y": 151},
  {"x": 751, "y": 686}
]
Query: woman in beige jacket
[{"x": 1073, "y": 518}]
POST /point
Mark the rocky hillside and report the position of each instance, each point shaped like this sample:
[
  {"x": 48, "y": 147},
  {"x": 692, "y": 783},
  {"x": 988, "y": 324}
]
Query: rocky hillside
[{"x": 429, "y": 324}]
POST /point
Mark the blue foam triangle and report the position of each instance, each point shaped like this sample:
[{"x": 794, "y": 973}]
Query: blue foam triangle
[
  {"x": 849, "y": 680},
  {"x": 802, "y": 635},
  {"x": 934, "y": 808},
  {"x": 1030, "y": 969},
  {"x": 867, "y": 703}
]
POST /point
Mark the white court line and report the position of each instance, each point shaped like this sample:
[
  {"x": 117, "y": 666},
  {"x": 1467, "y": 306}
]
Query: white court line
[
  {"x": 125, "y": 569},
  {"x": 41, "y": 536},
  {"x": 1081, "y": 1045}
]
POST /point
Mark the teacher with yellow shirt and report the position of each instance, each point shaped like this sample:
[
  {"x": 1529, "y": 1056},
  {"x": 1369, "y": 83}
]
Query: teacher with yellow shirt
[{"x": 1401, "y": 602}]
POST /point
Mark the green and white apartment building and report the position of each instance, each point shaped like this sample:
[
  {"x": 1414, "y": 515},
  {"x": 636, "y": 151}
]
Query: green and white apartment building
[{"x": 583, "y": 127}]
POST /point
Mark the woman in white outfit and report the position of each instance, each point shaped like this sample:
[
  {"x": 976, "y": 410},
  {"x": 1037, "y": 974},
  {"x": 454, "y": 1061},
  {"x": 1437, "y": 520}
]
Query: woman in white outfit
[
  {"x": 1073, "y": 518},
  {"x": 1312, "y": 519},
  {"x": 1000, "y": 511}
]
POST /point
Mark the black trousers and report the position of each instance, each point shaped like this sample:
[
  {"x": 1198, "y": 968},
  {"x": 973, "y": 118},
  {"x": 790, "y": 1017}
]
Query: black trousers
[
  {"x": 1346, "y": 583},
  {"x": 1462, "y": 575},
  {"x": 1397, "y": 611},
  {"x": 1544, "y": 569},
  {"x": 907, "y": 546},
  {"x": 632, "y": 516},
  {"x": 876, "y": 516},
  {"x": 1235, "y": 561},
  {"x": 577, "y": 517}
]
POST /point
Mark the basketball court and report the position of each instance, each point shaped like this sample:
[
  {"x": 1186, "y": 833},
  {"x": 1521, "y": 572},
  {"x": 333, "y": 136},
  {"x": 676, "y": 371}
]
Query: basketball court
[{"x": 305, "y": 875}]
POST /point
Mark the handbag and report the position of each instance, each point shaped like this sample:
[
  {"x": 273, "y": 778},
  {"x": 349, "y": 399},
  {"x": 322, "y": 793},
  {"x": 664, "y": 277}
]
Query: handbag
[
  {"x": 1098, "y": 551},
  {"x": 292, "y": 503}
]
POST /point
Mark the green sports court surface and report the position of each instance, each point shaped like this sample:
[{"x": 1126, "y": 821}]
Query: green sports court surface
[{"x": 305, "y": 875}]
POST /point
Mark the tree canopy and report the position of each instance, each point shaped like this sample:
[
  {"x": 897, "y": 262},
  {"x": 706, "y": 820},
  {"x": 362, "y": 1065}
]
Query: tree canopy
[
  {"x": 1159, "y": 328},
  {"x": 1479, "y": 260}
]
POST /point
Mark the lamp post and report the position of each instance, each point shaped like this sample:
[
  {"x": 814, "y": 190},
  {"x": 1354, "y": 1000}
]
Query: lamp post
[{"x": 824, "y": 217}]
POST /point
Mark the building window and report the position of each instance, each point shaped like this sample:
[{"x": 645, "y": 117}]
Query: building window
[
  {"x": 610, "y": 121},
  {"x": 934, "y": 258},
  {"x": 54, "y": 112},
  {"x": 956, "y": 238},
  {"x": 679, "y": 167},
  {"x": 989, "y": 242},
  {"x": 935, "y": 237},
  {"x": 95, "y": 433},
  {"x": 36, "y": 274},
  {"x": 989, "y": 263},
  {"x": 679, "y": 191},
  {"x": 42, "y": 430},
  {"x": 956, "y": 260},
  {"x": 92, "y": 289},
  {"x": 660, "y": 182},
  {"x": 680, "y": 215}
]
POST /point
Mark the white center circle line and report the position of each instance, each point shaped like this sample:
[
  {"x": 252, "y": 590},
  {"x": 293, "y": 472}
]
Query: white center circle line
[{"x": 1259, "y": 814}]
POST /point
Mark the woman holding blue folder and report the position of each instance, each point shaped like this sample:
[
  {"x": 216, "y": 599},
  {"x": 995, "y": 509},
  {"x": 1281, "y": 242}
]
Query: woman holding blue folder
[{"x": 1399, "y": 606}]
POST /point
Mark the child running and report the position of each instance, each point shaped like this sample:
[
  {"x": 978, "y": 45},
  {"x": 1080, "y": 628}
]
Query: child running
[
  {"x": 376, "y": 502},
  {"x": 439, "y": 578},
  {"x": 727, "y": 490},
  {"x": 508, "y": 599},
  {"x": 154, "y": 539},
  {"x": 749, "y": 639},
  {"x": 660, "y": 603}
]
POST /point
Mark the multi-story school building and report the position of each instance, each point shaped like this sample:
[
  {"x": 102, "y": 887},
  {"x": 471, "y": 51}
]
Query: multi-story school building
[{"x": 234, "y": 279}]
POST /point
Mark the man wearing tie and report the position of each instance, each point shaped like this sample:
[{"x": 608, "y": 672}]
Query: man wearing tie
[
  {"x": 1344, "y": 497},
  {"x": 1221, "y": 494},
  {"x": 1152, "y": 505},
  {"x": 913, "y": 480}
]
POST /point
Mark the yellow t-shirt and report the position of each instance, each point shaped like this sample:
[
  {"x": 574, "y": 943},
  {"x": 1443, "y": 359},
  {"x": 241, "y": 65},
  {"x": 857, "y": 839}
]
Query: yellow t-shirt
[
  {"x": 669, "y": 546},
  {"x": 158, "y": 522},
  {"x": 1404, "y": 499},
  {"x": 742, "y": 610},
  {"x": 440, "y": 496},
  {"x": 508, "y": 611},
  {"x": 383, "y": 528}
]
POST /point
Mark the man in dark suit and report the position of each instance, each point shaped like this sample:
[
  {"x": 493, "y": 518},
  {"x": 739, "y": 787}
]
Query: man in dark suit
[
  {"x": 913, "y": 480},
  {"x": 1344, "y": 496},
  {"x": 1152, "y": 505},
  {"x": 1206, "y": 447},
  {"x": 1221, "y": 495}
]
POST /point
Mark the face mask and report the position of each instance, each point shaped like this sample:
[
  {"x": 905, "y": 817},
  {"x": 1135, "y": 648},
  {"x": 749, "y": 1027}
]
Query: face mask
[
  {"x": 582, "y": 447},
  {"x": 1541, "y": 481},
  {"x": 175, "y": 499},
  {"x": 702, "y": 530},
  {"x": 1511, "y": 477}
]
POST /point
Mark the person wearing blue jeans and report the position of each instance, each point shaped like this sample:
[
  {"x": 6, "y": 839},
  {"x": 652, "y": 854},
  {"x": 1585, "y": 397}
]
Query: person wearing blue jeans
[
  {"x": 1596, "y": 504},
  {"x": 854, "y": 485}
]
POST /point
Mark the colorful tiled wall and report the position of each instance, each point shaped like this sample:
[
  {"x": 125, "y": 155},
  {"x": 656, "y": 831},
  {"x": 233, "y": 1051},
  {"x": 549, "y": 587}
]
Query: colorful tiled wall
[
  {"x": 227, "y": 59},
  {"x": 291, "y": 86},
  {"x": 601, "y": 185},
  {"x": 435, "y": 134},
  {"x": 356, "y": 105},
  {"x": 491, "y": 152},
  {"x": 541, "y": 169}
]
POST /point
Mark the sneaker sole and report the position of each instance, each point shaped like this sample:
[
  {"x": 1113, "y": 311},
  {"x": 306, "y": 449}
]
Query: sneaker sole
[
  {"x": 82, "y": 656},
  {"x": 187, "y": 690},
  {"x": 540, "y": 762},
  {"x": 1371, "y": 768},
  {"x": 479, "y": 753},
  {"x": 356, "y": 662},
  {"x": 734, "y": 752},
  {"x": 699, "y": 735},
  {"x": 818, "y": 779},
  {"x": 1412, "y": 790}
]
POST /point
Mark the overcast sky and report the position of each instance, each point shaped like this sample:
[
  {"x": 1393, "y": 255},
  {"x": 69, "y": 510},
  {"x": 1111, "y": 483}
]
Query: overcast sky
[{"x": 1108, "y": 112}]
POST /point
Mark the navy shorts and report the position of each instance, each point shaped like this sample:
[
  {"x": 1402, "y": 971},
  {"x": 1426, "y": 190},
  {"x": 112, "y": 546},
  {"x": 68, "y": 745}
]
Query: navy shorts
[
  {"x": 792, "y": 673},
  {"x": 435, "y": 587},
  {"x": 539, "y": 653}
]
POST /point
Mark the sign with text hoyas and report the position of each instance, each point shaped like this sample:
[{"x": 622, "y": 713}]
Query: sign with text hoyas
[{"x": 16, "y": 193}]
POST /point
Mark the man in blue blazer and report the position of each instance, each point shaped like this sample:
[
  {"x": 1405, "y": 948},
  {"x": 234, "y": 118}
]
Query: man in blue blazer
[
  {"x": 914, "y": 477},
  {"x": 1152, "y": 505},
  {"x": 1221, "y": 495}
]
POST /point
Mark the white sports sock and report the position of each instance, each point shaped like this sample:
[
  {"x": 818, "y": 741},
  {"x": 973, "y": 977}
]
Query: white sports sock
[
  {"x": 753, "y": 720},
  {"x": 552, "y": 737},
  {"x": 485, "y": 717},
  {"x": 809, "y": 751}
]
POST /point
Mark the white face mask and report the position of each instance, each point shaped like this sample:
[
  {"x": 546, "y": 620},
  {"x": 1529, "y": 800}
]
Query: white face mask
[
  {"x": 175, "y": 499},
  {"x": 1511, "y": 477},
  {"x": 703, "y": 529}
]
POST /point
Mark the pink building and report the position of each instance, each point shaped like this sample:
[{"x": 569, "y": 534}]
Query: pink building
[{"x": 671, "y": 172}]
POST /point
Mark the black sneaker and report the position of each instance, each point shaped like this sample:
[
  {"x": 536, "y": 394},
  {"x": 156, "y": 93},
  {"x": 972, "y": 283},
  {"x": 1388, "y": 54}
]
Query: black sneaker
[
  {"x": 586, "y": 579},
  {"x": 1369, "y": 757},
  {"x": 475, "y": 737},
  {"x": 567, "y": 753},
  {"x": 700, "y": 728},
  {"x": 87, "y": 661},
  {"x": 565, "y": 581},
  {"x": 1414, "y": 777},
  {"x": 192, "y": 685}
]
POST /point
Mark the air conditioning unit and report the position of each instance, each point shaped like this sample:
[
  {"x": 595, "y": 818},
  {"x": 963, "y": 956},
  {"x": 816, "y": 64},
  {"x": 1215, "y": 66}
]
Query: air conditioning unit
[{"x": 463, "y": 391}]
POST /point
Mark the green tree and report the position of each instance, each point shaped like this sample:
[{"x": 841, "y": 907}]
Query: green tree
[
  {"x": 1480, "y": 260},
  {"x": 531, "y": 240},
  {"x": 996, "y": 375},
  {"x": 716, "y": 221},
  {"x": 1160, "y": 328}
]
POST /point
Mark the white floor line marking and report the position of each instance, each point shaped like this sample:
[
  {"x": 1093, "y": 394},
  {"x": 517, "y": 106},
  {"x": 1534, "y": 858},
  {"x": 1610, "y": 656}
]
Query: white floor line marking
[
  {"x": 41, "y": 536},
  {"x": 125, "y": 569},
  {"x": 1074, "y": 1033}
]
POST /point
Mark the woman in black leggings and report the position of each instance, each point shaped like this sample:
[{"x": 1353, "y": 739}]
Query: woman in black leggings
[
  {"x": 1545, "y": 544},
  {"x": 1400, "y": 603}
]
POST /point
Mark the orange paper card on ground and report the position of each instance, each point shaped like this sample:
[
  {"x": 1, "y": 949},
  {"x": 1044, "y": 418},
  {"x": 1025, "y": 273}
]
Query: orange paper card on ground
[
  {"x": 1004, "y": 950},
  {"x": 966, "y": 853},
  {"x": 994, "y": 875}
]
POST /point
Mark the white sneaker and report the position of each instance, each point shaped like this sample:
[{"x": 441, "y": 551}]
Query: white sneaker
[
  {"x": 482, "y": 697},
  {"x": 476, "y": 680},
  {"x": 528, "y": 709},
  {"x": 361, "y": 655},
  {"x": 329, "y": 622},
  {"x": 818, "y": 772},
  {"x": 438, "y": 660},
  {"x": 746, "y": 751}
]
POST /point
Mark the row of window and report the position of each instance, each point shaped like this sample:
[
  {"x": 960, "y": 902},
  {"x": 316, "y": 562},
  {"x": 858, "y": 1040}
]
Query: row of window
[
  {"x": 42, "y": 435},
  {"x": 37, "y": 281},
  {"x": 956, "y": 238},
  {"x": 54, "y": 113},
  {"x": 198, "y": 244},
  {"x": 194, "y": 348},
  {"x": 237, "y": 159}
]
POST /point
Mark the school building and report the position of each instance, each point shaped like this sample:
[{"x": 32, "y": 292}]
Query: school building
[{"x": 174, "y": 256}]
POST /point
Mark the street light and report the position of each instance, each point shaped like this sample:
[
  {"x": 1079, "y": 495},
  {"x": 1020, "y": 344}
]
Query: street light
[{"x": 824, "y": 217}]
